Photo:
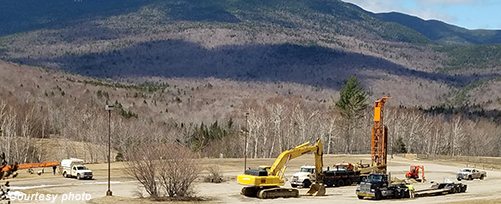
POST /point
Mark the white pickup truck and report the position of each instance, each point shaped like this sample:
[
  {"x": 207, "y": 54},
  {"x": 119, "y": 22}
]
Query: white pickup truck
[
  {"x": 470, "y": 174},
  {"x": 75, "y": 168}
]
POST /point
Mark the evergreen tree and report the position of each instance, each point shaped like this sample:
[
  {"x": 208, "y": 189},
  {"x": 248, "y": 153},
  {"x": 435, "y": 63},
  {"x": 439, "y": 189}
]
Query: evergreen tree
[
  {"x": 353, "y": 100},
  {"x": 351, "y": 104},
  {"x": 399, "y": 146}
]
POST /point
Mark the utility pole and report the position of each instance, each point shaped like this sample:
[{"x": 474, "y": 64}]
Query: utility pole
[
  {"x": 109, "y": 108},
  {"x": 245, "y": 144}
]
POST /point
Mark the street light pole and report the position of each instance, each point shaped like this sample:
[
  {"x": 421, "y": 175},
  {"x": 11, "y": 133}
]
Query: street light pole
[
  {"x": 109, "y": 108},
  {"x": 245, "y": 145}
]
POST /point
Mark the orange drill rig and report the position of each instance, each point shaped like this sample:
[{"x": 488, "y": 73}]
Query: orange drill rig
[
  {"x": 379, "y": 142},
  {"x": 379, "y": 137}
]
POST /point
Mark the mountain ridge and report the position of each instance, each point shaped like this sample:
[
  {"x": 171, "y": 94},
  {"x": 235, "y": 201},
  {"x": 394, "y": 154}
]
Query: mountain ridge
[
  {"x": 442, "y": 32},
  {"x": 317, "y": 42}
]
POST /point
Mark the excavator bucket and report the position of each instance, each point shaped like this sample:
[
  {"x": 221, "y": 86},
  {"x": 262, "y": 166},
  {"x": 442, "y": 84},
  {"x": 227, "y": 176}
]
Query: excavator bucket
[{"x": 316, "y": 190}]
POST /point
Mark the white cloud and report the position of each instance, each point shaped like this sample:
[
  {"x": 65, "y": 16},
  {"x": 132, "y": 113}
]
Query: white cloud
[
  {"x": 377, "y": 5},
  {"x": 423, "y": 9},
  {"x": 454, "y": 2}
]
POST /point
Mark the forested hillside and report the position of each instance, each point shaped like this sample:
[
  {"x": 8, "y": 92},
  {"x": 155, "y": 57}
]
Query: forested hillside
[{"x": 187, "y": 71}]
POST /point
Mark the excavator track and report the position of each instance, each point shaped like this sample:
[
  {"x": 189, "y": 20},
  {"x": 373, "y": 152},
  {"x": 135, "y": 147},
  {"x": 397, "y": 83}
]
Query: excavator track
[
  {"x": 250, "y": 191},
  {"x": 270, "y": 193},
  {"x": 278, "y": 192}
]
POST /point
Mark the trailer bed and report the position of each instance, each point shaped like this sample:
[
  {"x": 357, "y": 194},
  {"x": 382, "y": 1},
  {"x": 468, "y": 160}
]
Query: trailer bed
[{"x": 441, "y": 189}]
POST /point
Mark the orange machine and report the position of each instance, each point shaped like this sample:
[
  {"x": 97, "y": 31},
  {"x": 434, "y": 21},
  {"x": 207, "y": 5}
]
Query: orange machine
[
  {"x": 379, "y": 138},
  {"x": 413, "y": 173},
  {"x": 11, "y": 169},
  {"x": 7, "y": 170},
  {"x": 37, "y": 165}
]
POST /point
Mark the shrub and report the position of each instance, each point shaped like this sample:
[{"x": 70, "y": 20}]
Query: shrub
[{"x": 164, "y": 170}]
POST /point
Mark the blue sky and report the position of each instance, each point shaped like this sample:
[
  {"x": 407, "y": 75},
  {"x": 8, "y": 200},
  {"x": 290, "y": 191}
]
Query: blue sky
[{"x": 471, "y": 14}]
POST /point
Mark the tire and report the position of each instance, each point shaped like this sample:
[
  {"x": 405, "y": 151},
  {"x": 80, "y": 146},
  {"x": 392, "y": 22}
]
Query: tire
[
  {"x": 340, "y": 182},
  {"x": 360, "y": 197},
  {"x": 470, "y": 178},
  {"x": 294, "y": 185},
  {"x": 65, "y": 175},
  {"x": 306, "y": 183},
  {"x": 78, "y": 177},
  {"x": 329, "y": 184},
  {"x": 378, "y": 196},
  {"x": 405, "y": 194},
  {"x": 347, "y": 182},
  {"x": 459, "y": 179},
  {"x": 455, "y": 189},
  {"x": 482, "y": 177}
]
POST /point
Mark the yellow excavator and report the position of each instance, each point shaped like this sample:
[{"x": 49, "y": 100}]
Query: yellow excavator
[{"x": 266, "y": 182}]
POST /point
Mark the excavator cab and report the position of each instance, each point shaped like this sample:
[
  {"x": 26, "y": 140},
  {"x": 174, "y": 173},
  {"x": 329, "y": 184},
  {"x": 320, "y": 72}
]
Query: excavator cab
[
  {"x": 413, "y": 173},
  {"x": 260, "y": 171}
]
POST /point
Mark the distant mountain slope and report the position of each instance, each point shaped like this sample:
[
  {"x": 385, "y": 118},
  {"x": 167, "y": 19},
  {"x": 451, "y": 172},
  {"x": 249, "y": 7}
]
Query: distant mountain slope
[
  {"x": 28, "y": 15},
  {"x": 318, "y": 15},
  {"x": 313, "y": 42},
  {"x": 333, "y": 15},
  {"x": 441, "y": 32}
]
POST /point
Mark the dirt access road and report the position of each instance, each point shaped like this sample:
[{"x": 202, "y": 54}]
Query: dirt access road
[{"x": 125, "y": 189}]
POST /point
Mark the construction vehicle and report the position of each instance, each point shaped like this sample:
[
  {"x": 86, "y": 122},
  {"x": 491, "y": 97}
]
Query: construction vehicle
[
  {"x": 413, "y": 173},
  {"x": 266, "y": 182},
  {"x": 379, "y": 138},
  {"x": 378, "y": 186},
  {"x": 10, "y": 170},
  {"x": 339, "y": 175},
  {"x": 443, "y": 188},
  {"x": 342, "y": 174},
  {"x": 379, "y": 143}
]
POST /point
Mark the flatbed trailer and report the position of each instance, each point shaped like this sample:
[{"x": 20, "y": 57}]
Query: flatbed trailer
[
  {"x": 441, "y": 189},
  {"x": 341, "y": 178},
  {"x": 378, "y": 187}
]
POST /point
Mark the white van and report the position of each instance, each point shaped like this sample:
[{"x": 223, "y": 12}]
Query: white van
[{"x": 75, "y": 168}]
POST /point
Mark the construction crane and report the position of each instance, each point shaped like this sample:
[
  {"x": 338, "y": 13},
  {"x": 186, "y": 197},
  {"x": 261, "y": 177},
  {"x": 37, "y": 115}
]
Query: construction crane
[
  {"x": 379, "y": 137},
  {"x": 265, "y": 182}
]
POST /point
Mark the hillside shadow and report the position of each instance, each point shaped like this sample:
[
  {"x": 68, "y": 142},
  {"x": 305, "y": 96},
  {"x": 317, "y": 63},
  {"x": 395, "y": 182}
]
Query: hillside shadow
[{"x": 313, "y": 65}]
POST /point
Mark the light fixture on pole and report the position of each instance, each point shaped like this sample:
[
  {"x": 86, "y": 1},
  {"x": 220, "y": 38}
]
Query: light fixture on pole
[
  {"x": 109, "y": 108},
  {"x": 245, "y": 145}
]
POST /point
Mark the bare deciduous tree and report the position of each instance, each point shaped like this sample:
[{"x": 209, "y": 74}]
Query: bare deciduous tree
[{"x": 163, "y": 170}]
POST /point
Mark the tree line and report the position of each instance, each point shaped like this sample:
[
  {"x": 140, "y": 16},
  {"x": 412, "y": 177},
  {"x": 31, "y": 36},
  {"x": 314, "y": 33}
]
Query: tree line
[{"x": 268, "y": 128}]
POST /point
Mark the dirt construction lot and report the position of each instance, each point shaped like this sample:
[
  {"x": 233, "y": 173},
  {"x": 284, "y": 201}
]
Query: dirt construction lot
[{"x": 125, "y": 189}]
